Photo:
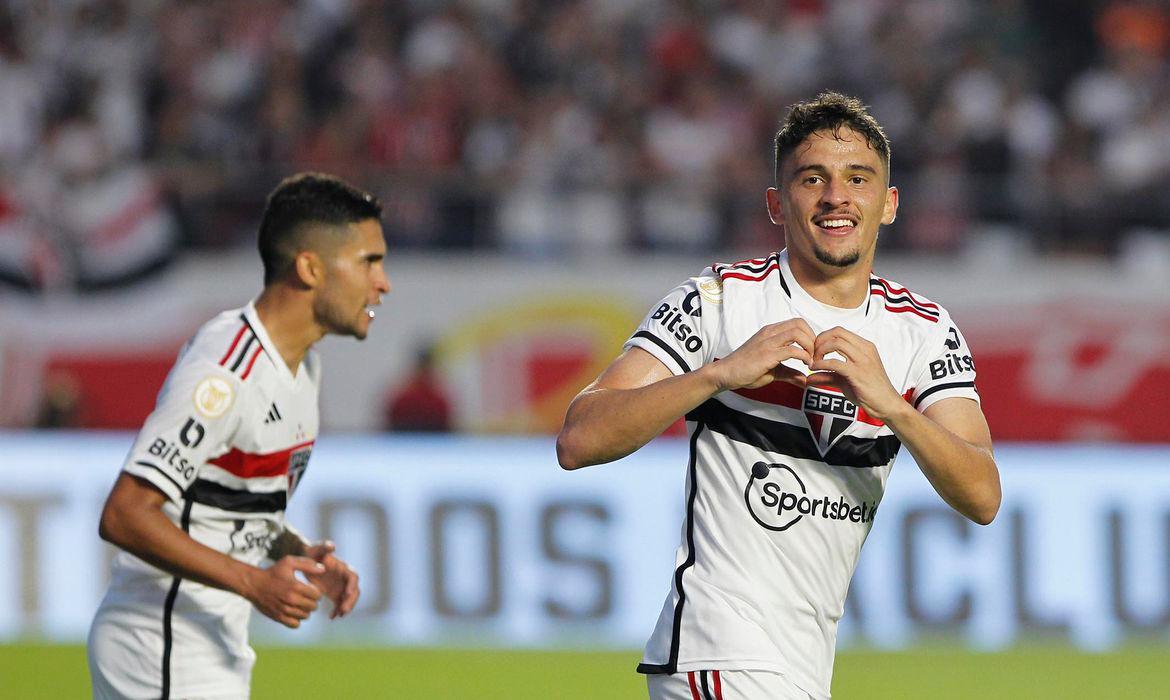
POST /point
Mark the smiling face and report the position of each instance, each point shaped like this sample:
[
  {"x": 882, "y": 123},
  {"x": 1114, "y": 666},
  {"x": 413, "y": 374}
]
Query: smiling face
[
  {"x": 354, "y": 279},
  {"x": 831, "y": 197}
]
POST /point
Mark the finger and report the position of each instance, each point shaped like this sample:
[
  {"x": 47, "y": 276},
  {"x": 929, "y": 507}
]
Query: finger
[
  {"x": 788, "y": 374},
  {"x": 301, "y": 607},
  {"x": 796, "y": 351},
  {"x": 297, "y": 612},
  {"x": 308, "y": 591},
  {"x": 350, "y": 597},
  {"x": 798, "y": 325},
  {"x": 305, "y": 565},
  {"x": 833, "y": 345},
  {"x": 302, "y": 595},
  {"x": 845, "y": 342},
  {"x": 347, "y": 596},
  {"x": 797, "y": 334},
  {"x": 320, "y": 550},
  {"x": 839, "y": 370},
  {"x": 804, "y": 336},
  {"x": 287, "y": 620},
  {"x": 346, "y": 606}
]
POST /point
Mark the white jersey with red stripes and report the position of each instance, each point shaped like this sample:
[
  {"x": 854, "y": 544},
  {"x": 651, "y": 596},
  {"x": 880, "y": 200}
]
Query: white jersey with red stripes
[
  {"x": 782, "y": 483},
  {"x": 227, "y": 443}
]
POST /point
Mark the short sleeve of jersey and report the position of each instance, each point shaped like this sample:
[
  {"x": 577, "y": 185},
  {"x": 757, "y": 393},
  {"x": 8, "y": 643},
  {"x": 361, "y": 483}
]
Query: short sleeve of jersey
[
  {"x": 948, "y": 369},
  {"x": 677, "y": 330},
  {"x": 195, "y": 417}
]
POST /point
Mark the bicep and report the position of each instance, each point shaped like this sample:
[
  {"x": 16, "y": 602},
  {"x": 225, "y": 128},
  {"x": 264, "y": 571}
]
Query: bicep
[
  {"x": 130, "y": 510},
  {"x": 633, "y": 369},
  {"x": 964, "y": 418},
  {"x": 133, "y": 492}
]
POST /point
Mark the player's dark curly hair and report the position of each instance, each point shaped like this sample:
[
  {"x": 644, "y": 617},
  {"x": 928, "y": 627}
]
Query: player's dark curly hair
[
  {"x": 830, "y": 111},
  {"x": 299, "y": 201}
]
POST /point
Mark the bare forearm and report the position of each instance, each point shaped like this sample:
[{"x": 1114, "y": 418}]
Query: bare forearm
[
  {"x": 964, "y": 474},
  {"x": 148, "y": 534},
  {"x": 603, "y": 425}
]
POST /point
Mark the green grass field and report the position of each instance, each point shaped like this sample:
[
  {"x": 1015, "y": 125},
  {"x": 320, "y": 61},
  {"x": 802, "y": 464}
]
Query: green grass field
[{"x": 39, "y": 671}]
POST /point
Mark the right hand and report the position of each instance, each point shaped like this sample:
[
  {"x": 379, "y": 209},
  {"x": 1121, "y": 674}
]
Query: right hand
[
  {"x": 756, "y": 363},
  {"x": 280, "y": 595}
]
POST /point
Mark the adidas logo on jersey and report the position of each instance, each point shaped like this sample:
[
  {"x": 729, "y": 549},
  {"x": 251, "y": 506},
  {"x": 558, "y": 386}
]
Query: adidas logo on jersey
[{"x": 273, "y": 415}]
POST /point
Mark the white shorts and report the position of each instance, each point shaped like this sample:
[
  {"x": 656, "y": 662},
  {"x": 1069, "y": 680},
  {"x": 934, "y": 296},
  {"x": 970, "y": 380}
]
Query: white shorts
[
  {"x": 723, "y": 685},
  {"x": 201, "y": 654}
]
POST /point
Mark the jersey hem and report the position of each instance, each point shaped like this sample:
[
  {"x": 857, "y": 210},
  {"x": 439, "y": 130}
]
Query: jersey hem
[
  {"x": 931, "y": 396},
  {"x": 660, "y": 350}
]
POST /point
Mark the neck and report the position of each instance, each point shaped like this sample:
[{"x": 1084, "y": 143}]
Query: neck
[
  {"x": 842, "y": 287},
  {"x": 288, "y": 318}
]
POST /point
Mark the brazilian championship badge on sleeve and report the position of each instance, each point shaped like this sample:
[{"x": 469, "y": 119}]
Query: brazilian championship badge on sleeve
[{"x": 213, "y": 397}]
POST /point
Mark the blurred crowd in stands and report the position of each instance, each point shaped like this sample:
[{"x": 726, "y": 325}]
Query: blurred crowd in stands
[{"x": 131, "y": 130}]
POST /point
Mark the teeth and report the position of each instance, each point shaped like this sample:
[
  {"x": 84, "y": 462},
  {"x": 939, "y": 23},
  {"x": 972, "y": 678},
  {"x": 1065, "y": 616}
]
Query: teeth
[
  {"x": 370, "y": 313},
  {"x": 836, "y": 223}
]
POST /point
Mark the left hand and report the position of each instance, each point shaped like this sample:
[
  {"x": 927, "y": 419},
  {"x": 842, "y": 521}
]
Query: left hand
[
  {"x": 338, "y": 582},
  {"x": 860, "y": 376}
]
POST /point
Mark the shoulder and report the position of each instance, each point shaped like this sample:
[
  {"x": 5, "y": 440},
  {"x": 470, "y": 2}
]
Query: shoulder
[
  {"x": 908, "y": 307},
  {"x": 693, "y": 293},
  {"x": 217, "y": 355},
  {"x": 221, "y": 339}
]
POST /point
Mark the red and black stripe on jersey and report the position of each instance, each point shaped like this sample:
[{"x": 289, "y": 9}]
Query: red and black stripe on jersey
[
  {"x": 791, "y": 396},
  {"x": 900, "y": 300},
  {"x": 241, "y": 355},
  {"x": 751, "y": 270},
  {"x": 793, "y": 440},
  {"x": 710, "y": 691},
  {"x": 246, "y": 465}
]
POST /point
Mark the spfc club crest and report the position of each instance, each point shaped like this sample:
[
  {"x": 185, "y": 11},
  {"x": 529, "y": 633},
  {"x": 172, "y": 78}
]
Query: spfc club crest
[
  {"x": 829, "y": 413},
  {"x": 298, "y": 462}
]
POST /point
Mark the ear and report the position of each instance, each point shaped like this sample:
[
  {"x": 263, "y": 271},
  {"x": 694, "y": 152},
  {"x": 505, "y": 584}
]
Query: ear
[
  {"x": 775, "y": 208},
  {"x": 890, "y": 210},
  {"x": 310, "y": 269}
]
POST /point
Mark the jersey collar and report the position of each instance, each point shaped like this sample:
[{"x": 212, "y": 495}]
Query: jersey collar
[
  {"x": 253, "y": 321},
  {"x": 821, "y": 316}
]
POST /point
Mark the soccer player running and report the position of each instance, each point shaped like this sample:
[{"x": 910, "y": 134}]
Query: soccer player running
[
  {"x": 198, "y": 510},
  {"x": 800, "y": 375}
]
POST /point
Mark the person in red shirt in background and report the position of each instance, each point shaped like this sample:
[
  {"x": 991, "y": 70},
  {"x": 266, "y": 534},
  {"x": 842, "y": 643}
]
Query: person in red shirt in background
[{"x": 420, "y": 403}]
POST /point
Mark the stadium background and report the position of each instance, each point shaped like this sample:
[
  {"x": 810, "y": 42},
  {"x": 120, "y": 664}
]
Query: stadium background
[{"x": 549, "y": 170}]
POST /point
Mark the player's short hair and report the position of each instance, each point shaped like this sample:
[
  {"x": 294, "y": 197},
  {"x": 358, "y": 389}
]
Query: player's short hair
[
  {"x": 830, "y": 111},
  {"x": 299, "y": 202}
]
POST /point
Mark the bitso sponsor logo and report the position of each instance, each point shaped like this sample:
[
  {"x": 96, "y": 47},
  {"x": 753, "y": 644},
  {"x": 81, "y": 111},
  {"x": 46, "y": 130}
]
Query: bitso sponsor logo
[
  {"x": 951, "y": 363},
  {"x": 670, "y": 318},
  {"x": 952, "y": 341},
  {"x": 777, "y": 499},
  {"x": 213, "y": 397}
]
